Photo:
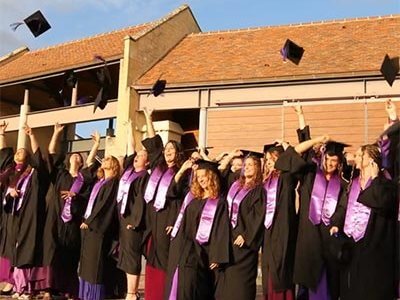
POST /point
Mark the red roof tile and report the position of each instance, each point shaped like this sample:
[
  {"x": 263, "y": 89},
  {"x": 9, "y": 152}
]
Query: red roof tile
[{"x": 334, "y": 47}]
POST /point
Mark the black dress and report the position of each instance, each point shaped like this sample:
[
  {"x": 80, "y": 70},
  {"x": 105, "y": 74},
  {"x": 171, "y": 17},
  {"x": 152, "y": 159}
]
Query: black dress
[
  {"x": 238, "y": 279},
  {"x": 192, "y": 261},
  {"x": 280, "y": 238},
  {"x": 130, "y": 247},
  {"x": 371, "y": 272},
  {"x": 62, "y": 240}
]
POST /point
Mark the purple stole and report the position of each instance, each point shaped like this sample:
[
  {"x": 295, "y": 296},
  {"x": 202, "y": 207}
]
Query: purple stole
[
  {"x": 324, "y": 198},
  {"x": 127, "y": 178},
  {"x": 25, "y": 181},
  {"x": 270, "y": 189},
  {"x": 357, "y": 214},
  {"x": 188, "y": 198},
  {"x": 236, "y": 195},
  {"x": 93, "y": 195},
  {"x": 206, "y": 220},
  {"x": 66, "y": 215},
  {"x": 163, "y": 180}
]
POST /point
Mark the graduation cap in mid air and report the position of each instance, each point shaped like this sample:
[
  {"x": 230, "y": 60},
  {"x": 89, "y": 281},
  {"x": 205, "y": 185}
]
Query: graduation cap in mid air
[
  {"x": 390, "y": 69},
  {"x": 292, "y": 52},
  {"x": 104, "y": 81},
  {"x": 273, "y": 147},
  {"x": 36, "y": 23},
  {"x": 158, "y": 87}
]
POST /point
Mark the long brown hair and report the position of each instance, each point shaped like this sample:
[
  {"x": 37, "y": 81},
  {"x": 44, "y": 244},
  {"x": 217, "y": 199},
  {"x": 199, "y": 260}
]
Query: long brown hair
[
  {"x": 257, "y": 177},
  {"x": 214, "y": 187},
  {"x": 267, "y": 173}
]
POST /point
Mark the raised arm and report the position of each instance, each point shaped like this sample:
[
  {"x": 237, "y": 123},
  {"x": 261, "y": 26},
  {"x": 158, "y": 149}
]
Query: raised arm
[
  {"x": 306, "y": 145},
  {"x": 3, "y": 127},
  {"x": 96, "y": 143},
  {"x": 130, "y": 138},
  {"x": 300, "y": 116},
  {"x": 55, "y": 138},
  {"x": 227, "y": 159},
  {"x": 32, "y": 138},
  {"x": 148, "y": 113},
  {"x": 391, "y": 111},
  {"x": 185, "y": 166}
]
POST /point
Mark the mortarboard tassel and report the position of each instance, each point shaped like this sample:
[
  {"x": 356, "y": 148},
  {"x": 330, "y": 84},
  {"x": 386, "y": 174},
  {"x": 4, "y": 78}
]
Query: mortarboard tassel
[{"x": 15, "y": 25}]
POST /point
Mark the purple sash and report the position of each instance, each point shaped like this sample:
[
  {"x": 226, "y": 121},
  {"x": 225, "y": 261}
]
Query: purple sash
[
  {"x": 206, "y": 221},
  {"x": 125, "y": 182},
  {"x": 151, "y": 187},
  {"x": 188, "y": 198},
  {"x": 236, "y": 195},
  {"x": 270, "y": 188},
  {"x": 93, "y": 195},
  {"x": 25, "y": 181},
  {"x": 165, "y": 181},
  {"x": 66, "y": 215},
  {"x": 324, "y": 198},
  {"x": 357, "y": 214}
]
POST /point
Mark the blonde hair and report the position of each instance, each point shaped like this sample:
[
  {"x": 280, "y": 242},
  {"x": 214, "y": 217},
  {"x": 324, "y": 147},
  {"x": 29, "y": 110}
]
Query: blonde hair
[
  {"x": 214, "y": 188},
  {"x": 115, "y": 168}
]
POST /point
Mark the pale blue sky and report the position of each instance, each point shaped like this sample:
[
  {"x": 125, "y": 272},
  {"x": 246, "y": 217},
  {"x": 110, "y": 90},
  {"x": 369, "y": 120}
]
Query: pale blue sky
[{"x": 76, "y": 19}]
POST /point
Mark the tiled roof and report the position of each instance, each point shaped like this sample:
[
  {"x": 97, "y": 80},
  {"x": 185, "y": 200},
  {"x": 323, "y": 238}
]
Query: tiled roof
[
  {"x": 74, "y": 54},
  {"x": 332, "y": 47}
]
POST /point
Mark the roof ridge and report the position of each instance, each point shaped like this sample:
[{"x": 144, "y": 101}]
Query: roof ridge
[{"x": 311, "y": 23}]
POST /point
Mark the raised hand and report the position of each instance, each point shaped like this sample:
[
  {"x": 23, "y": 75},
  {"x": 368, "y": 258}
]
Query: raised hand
[
  {"x": 298, "y": 109},
  {"x": 148, "y": 112},
  {"x": 3, "y": 127},
  {"x": 27, "y": 129},
  {"x": 58, "y": 128},
  {"x": 95, "y": 137}
]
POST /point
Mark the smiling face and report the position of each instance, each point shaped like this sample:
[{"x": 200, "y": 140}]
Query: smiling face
[
  {"x": 202, "y": 178},
  {"x": 250, "y": 168},
  {"x": 331, "y": 163},
  {"x": 362, "y": 159},
  {"x": 20, "y": 156},
  {"x": 141, "y": 160},
  {"x": 270, "y": 159},
  {"x": 236, "y": 164},
  {"x": 169, "y": 153}
]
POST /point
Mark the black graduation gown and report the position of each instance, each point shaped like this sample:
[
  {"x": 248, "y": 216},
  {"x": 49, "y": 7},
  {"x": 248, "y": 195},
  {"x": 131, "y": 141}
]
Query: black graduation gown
[
  {"x": 313, "y": 240},
  {"x": 371, "y": 272},
  {"x": 6, "y": 168},
  {"x": 130, "y": 240},
  {"x": 195, "y": 279},
  {"x": 280, "y": 239},
  {"x": 238, "y": 280},
  {"x": 157, "y": 221},
  {"x": 97, "y": 239},
  {"x": 28, "y": 222},
  {"x": 60, "y": 237}
]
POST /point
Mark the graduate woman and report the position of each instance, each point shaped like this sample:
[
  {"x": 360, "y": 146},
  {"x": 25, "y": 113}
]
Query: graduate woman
[
  {"x": 371, "y": 221},
  {"x": 99, "y": 227},
  {"x": 161, "y": 211},
  {"x": 66, "y": 206},
  {"x": 25, "y": 200},
  {"x": 131, "y": 208},
  {"x": 280, "y": 224},
  {"x": 203, "y": 233},
  {"x": 246, "y": 211}
]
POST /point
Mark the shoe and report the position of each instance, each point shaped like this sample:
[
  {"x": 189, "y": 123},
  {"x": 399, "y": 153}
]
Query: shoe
[
  {"x": 6, "y": 293},
  {"x": 15, "y": 295},
  {"x": 25, "y": 297}
]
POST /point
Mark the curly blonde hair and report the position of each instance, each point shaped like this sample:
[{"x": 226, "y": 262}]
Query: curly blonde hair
[
  {"x": 115, "y": 168},
  {"x": 213, "y": 185}
]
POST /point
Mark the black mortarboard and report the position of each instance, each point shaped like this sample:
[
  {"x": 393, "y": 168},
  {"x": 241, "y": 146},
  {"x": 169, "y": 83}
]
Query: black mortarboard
[
  {"x": 104, "y": 81},
  {"x": 335, "y": 147},
  {"x": 389, "y": 69},
  {"x": 273, "y": 147},
  {"x": 36, "y": 23},
  {"x": 158, "y": 87},
  {"x": 207, "y": 165},
  {"x": 247, "y": 153},
  {"x": 292, "y": 52}
]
